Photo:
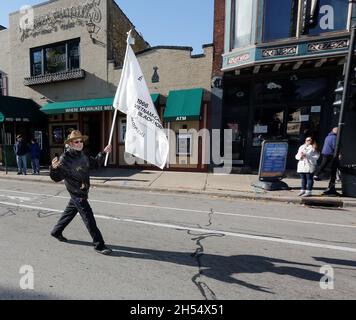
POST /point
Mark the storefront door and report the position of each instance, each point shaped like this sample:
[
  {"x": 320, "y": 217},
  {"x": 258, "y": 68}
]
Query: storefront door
[{"x": 92, "y": 128}]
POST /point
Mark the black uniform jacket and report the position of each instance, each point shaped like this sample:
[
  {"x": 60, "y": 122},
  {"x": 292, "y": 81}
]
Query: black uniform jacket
[{"x": 74, "y": 170}]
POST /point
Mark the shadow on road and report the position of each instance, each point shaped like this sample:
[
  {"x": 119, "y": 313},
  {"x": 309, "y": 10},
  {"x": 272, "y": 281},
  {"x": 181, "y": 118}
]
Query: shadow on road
[
  {"x": 18, "y": 294},
  {"x": 218, "y": 267},
  {"x": 348, "y": 263}
]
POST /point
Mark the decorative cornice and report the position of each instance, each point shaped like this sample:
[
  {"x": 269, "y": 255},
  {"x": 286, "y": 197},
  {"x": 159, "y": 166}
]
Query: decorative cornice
[
  {"x": 328, "y": 45},
  {"x": 55, "y": 77},
  {"x": 280, "y": 52}
]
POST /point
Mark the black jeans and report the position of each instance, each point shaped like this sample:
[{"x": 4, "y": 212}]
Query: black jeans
[
  {"x": 325, "y": 161},
  {"x": 307, "y": 181},
  {"x": 82, "y": 206}
]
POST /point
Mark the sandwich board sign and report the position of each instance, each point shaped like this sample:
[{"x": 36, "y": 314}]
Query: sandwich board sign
[{"x": 273, "y": 164}]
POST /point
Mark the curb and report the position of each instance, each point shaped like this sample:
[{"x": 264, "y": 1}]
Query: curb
[{"x": 335, "y": 202}]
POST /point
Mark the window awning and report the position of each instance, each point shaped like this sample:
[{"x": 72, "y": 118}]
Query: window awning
[
  {"x": 90, "y": 105},
  {"x": 13, "y": 109},
  {"x": 183, "y": 105}
]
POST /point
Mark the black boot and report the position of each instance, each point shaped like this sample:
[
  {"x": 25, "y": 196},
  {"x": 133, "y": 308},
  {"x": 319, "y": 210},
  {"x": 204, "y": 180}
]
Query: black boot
[{"x": 331, "y": 191}]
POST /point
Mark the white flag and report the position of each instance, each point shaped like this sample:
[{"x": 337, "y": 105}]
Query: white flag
[{"x": 145, "y": 137}]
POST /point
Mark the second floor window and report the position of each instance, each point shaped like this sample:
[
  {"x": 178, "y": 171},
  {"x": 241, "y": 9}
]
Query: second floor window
[
  {"x": 280, "y": 19},
  {"x": 55, "y": 58},
  {"x": 243, "y": 15},
  {"x": 330, "y": 16}
]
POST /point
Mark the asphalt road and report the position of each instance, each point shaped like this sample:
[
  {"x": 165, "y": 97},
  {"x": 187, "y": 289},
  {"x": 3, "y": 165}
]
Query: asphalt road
[{"x": 168, "y": 246}]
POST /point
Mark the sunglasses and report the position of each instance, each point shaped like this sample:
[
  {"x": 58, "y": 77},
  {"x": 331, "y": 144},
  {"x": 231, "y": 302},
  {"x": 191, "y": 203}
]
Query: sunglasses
[
  {"x": 308, "y": 140},
  {"x": 78, "y": 141}
]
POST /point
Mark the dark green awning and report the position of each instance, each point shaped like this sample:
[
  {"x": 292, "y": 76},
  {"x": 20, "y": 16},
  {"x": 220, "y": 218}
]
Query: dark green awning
[
  {"x": 15, "y": 109},
  {"x": 183, "y": 105},
  {"x": 90, "y": 105}
]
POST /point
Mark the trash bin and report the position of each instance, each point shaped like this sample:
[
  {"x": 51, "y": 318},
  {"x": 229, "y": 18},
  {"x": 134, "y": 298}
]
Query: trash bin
[{"x": 348, "y": 180}]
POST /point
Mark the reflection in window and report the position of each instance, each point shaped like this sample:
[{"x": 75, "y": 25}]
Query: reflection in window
[
  {"x": 37, "y": 62},
  {"x": 57, "y": 137},
  {"x": 280, "y": 19},
  {"x": 268, "y": 125},
  {"x": 331, "y": 16},
  {"x": 303, "y": 122},
  {"x": 243, "y": 13},
  {"x": 73, "y": 59},
  {"x": 56, "y": 59}
]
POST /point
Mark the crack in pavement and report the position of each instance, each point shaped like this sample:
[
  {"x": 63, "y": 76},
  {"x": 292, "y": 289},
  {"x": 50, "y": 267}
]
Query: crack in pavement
[
  {"x": 204, "y": 289},
  {"x": 8, "y": 213}
]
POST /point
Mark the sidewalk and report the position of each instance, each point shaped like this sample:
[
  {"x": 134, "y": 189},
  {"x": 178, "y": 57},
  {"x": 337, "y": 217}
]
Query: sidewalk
[{"x": 233, "y": 185}]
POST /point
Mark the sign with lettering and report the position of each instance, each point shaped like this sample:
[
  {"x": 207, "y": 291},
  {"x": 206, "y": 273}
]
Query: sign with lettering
[
  {"x": 62, "y": 19},
  {"x": 89, "y": 109},
  {"x": 273, "y": 160}
]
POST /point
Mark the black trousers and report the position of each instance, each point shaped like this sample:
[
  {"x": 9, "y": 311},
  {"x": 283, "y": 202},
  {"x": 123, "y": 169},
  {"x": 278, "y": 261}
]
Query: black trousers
[
  {"x": 82, "y": 206},
  {"x": 325, "y": 161}
]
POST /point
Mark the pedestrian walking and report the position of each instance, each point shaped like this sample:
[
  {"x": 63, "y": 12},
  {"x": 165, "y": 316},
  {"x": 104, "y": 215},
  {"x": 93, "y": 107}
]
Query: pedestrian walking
[
  {"x": 307, "y": 157},
  {"x": 35, "y": 152},
  {"x": 327, "y": 153},
  {"x": 21, "y": 150},
  {"x": 73, "y": 167}
]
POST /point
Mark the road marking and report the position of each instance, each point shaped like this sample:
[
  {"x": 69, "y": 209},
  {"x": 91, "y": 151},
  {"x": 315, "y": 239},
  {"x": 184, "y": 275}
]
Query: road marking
[
  {"x": 200, "y": 230},
  {"x": 198, "y": 211}
]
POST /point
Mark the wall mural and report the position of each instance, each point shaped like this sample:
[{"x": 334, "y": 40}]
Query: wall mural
[{"x": 62, "y": 19}]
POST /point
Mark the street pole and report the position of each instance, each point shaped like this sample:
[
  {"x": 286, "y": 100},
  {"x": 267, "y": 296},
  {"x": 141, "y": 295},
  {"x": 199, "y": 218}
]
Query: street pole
[{"x": 346, "y": 92}]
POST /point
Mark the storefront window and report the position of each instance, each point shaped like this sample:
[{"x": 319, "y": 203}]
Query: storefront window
[
  {"x": 268, "y": 124},
  {"x": 303, "y": 122},
  {"x": 57, "y": 136},
  {"x": 242, "y": 17},
  {"x": 331, "y": 15},
  {"x": 61, "y": 132},
  {"x": 280, "y": 19}
]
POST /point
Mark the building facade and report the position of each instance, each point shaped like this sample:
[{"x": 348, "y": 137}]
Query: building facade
[
  {"x": 69, "y": 62},
  {"x": 276, "y": 66}
]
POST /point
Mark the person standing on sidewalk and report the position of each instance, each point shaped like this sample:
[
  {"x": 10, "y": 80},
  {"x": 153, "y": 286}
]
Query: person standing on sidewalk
[
  {"x": 21, "y": 150},
  {"x": 35, "y": 152},
  {"x": 73, "y": 167},
  {"x": 327, "y": 152},
  {"x": 307, "y": 157}
]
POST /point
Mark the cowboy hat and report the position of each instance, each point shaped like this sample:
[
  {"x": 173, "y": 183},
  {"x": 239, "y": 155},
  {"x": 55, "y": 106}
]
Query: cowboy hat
[{"x": 74, "y": 135}]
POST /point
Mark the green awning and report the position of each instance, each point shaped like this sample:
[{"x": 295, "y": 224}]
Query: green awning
[
  {"x": 183, "y": 105},
  {"x": 90, "y": 105},
  {"x": 13, "y": 109}
]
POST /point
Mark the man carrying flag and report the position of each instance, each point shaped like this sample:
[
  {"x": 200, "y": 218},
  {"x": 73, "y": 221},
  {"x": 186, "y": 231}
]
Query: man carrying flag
[{"x": 145, "y": 137}]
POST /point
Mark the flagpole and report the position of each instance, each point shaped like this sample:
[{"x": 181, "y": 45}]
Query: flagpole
[{"x": 115, "y": 114}]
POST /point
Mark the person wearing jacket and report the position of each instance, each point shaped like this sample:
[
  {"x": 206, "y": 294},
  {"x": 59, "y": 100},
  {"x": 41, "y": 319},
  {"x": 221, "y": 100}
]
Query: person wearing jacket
[
  {"x": 73, "y": 167},
  {"x": 307, "y": 157},
  {"x": 35, "y": 152},
  {"x": 327, "y": 152},
  {"x": 21, "y": 150}
]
